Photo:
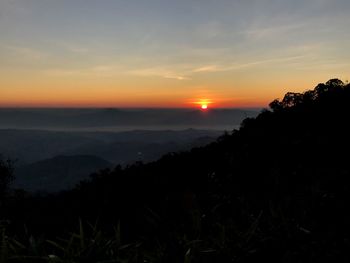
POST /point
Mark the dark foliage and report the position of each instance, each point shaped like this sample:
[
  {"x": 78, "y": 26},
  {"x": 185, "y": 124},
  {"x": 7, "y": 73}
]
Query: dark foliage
[
  {"x": 276, "y": 190},
  {"x": 6, "y": 177}
]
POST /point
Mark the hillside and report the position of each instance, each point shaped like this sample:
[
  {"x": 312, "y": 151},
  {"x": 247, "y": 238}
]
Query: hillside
[
  {"x": 28, "y": 146},
  {"x": 276, "y": 190},
  {"x": 58, "y": 173}
]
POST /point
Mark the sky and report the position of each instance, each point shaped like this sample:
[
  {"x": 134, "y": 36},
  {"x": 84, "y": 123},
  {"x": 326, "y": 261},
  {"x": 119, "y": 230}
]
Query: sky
[{"x": 168, "y": 53}]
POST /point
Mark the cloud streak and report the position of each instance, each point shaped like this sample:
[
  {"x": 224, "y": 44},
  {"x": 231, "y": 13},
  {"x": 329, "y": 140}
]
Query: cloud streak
[
  {"x": 27, "y": 53},
  {"x": 238, "y": 66},
  {"x": 158, "y": 72},
  {"x": 98, "y": 70}
]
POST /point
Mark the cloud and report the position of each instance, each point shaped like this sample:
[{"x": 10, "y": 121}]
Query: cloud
[
  {"x": 27, "y": 53},
  {"x": 211, "y": 29},
  {"x": 186, "y": 72},
  {"x": 62, "y": 72},
  {"x": 179, "y": 73},
  {"x": 272, "y": 31},
  {"x": 78, "y": 49},
  {"x": 99, "y": 70},
  {"x": 210, "y": 68},
  {"x": 266, "y": 61},
  {"x": 158, "y": 72},
  {"x": 176, "y": 77},
  {"x": 102, "y": 68},
  {"x": 237, "y": 66},
  {"x": 74, "y": 48},
  {"x": 12, "y": 8},
  {"x": 68, "y": 46}
]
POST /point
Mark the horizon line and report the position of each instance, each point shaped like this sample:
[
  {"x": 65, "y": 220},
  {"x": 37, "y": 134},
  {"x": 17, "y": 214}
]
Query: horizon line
[{"x": 125, "y": 108}]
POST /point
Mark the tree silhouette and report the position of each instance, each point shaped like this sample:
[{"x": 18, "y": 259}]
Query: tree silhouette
[{"x": 6, "y": 177}]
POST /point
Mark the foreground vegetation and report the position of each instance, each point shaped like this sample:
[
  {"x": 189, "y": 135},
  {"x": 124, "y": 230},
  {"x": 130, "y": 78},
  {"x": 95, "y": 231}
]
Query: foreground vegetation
[{"x": 275, "y": 190}]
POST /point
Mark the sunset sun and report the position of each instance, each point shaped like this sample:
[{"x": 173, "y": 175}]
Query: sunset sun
[{"x": 203, "y": 103}]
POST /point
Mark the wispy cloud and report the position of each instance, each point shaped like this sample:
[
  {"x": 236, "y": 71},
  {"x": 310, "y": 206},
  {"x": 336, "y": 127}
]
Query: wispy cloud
[
  {"x": 99, "y": 70},
  {"x": 27, "y": 53},
  {"x": 158, "y": 72},
  {"x": 209, "y": 68},
  {"x": 209, "y": 30},
  {"x": 265, "y": 61},
  {"x": 78, "y": 49},
  {"x": 68, "y": 46},
  {"x": 170, "y": 76},
  {"x": 103, "y": 68},
  {"x": 237, "y": 65},
  {"x": 260, "y": 32},
  {"x": 12, "y": 8},
  {"x": 180, "y": 72},
  {"x": 62, "y": 72},
  {"x": 188, "y": 71},
  {"x": 71, "y": 47}
]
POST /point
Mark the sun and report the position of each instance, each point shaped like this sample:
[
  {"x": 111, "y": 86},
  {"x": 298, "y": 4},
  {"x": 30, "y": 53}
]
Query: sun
[{"x": 203, "y": 103}]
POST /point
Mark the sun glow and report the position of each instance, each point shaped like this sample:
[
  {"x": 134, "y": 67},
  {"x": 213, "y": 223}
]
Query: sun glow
[{"x": 203, "y": 103}]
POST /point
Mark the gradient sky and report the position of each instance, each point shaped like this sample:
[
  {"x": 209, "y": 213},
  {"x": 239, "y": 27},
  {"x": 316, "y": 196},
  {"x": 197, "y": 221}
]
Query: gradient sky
[{"x": 160, "y": 53}]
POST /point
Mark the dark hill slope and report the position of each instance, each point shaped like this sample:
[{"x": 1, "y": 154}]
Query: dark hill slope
[
  {"x": 276, "y": 190},
  {"x": 58, "y": 173}
]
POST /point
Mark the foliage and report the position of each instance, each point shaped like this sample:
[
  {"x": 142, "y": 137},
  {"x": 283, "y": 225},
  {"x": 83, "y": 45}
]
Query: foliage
[{"x": 6, "y": 177}]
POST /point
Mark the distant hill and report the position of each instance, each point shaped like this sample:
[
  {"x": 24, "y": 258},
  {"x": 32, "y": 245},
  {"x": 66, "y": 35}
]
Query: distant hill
[
  {"x": 27, "y": 146},
  {"x": 58, "y": 173},
  {"x": 121, "y": 119},
  {"x": 34, "y": 146}
]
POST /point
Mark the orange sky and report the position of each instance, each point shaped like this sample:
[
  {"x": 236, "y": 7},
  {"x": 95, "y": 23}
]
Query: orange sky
[
  {"x": 136, "y": 91},
  {"x": 168, "y": 53}
]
